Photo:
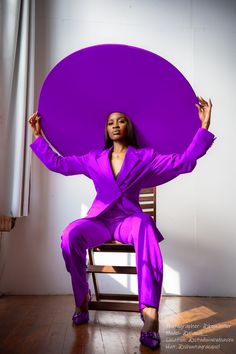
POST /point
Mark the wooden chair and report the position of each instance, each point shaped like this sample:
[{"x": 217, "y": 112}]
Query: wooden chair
[{"x": 118, "y": 302}]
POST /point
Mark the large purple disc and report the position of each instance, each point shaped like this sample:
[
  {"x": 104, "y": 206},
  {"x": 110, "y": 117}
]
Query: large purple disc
[{"x": 84, "y": 87}]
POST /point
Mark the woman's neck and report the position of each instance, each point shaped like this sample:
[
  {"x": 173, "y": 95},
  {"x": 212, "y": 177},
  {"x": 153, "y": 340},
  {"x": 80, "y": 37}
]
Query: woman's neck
[{"x": 119, "y": 147}]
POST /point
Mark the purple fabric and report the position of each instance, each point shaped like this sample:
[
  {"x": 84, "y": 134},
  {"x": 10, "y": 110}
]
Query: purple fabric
[
  {"x": 141, "y": 168},
  {"x": 116, "y": 213},
  {"x": 85, "y": 86},
  {"x": 138, "y": 229}
]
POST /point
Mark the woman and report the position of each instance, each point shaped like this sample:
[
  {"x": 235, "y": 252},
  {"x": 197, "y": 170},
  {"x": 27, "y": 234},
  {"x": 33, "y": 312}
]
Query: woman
[{"x": 119, "y": 172}]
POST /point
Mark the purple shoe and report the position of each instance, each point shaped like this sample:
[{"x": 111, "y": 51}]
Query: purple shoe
[
  {"x": 150, "y": 339},
  {"x": 82, "y": 317}
]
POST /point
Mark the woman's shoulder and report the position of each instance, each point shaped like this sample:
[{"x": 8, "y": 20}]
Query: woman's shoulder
[
  {"x": 97, "y": 152},
  {"x": 143, "y": 153},
  {"x": 142, "y": 150}
]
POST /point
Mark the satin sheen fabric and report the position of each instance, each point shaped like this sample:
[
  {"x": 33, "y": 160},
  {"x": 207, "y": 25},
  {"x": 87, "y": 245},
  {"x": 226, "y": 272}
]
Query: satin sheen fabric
[
  {"x": 115, "y": 212},
  {"x": 141, "y": 168},
  {"x": 138, "y": 229}
]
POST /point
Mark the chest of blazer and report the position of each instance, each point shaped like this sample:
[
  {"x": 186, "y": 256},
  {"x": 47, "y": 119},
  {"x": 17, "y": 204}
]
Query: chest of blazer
[{"x": 141, "y": 168}]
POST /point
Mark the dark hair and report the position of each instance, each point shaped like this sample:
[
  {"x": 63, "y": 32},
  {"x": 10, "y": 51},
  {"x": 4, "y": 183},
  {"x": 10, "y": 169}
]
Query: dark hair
[{"x": 131, "y": 136}]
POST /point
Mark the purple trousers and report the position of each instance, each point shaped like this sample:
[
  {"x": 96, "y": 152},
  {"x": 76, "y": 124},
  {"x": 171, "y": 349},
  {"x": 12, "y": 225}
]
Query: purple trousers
[{"x": 137, "y": 229}]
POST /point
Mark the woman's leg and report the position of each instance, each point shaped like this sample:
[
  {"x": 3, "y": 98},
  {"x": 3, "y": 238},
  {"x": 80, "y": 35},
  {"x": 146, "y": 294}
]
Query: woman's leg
[
  {"x": 140, "y": 231},
  {"x": 78, "y": 236}
]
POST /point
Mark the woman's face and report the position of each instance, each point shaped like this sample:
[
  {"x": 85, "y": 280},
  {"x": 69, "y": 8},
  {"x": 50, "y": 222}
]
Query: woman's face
[{"x": 117, "y": 126}]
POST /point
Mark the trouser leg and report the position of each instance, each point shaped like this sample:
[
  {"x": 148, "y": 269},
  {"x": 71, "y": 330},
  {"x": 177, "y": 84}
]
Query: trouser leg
[
  {"x": 140, "y": 230},
  {"x": 78, "y": 236}
]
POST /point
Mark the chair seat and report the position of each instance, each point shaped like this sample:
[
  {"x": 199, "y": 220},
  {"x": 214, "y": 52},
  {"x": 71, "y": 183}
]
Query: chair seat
[{"x": 114, "y": 246}]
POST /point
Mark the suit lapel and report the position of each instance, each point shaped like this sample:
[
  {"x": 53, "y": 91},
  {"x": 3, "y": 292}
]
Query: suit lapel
[
  {"x": 129, "y": 162},
  {"x": 104, "y": 164}
]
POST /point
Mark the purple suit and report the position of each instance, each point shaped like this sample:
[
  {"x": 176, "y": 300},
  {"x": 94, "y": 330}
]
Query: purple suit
[{"x": 115, "y": 212}]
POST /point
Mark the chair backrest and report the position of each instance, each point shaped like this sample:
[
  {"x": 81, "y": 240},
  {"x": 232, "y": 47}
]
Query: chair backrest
[{"x": 147, "y": 201}]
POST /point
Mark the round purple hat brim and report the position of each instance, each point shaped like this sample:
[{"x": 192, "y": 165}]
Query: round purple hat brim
[{"x": 84, "y": 87}]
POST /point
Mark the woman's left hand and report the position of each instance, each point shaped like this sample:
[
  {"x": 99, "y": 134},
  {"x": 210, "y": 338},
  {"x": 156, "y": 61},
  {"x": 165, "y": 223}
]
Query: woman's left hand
[{"x": 204, "y": 111}]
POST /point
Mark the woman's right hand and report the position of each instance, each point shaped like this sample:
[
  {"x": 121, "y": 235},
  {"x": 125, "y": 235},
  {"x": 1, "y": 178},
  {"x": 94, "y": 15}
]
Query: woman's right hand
[{"x": 35, "y": 125}]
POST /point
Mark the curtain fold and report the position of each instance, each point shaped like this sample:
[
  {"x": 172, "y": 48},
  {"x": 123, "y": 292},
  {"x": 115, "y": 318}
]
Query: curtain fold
[{"x": 17, "y": 41}]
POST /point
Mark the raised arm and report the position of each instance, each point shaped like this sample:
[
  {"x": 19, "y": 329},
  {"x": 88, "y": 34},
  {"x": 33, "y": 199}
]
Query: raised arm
[
  {"x": 68, "y": 166},
  {"x": 164, "y": 168}
]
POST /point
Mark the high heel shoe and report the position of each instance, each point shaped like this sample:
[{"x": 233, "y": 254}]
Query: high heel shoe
[
  {"x": 82, "y": 317},
  {"x": 150, "y": 339}
]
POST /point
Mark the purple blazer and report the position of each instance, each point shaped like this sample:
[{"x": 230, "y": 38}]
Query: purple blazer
[{"x": 142, "y": 168}]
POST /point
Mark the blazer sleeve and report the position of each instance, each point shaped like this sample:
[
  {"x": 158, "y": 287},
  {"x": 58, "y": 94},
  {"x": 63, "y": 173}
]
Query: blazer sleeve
[
  {"x": 67, "y": 166},
  {"x": 164, "y": 168}
]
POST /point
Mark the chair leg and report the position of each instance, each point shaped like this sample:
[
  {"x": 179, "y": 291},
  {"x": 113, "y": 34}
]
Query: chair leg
[{"x": 95, "y": 283}]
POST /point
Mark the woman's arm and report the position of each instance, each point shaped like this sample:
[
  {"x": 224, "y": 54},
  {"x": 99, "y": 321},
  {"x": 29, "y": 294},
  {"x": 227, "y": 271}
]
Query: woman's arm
[
  {"x": 164, "y": 168},
  {"x": 68, "y": 166}
]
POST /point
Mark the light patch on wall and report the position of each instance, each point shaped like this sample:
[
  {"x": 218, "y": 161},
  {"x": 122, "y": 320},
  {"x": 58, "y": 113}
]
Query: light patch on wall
[
  {"x": 171, "y": 281},
  {"x": 84, "y": 210}
]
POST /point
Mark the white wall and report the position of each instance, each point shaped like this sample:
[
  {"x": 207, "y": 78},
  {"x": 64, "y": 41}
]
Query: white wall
[{"x": 195, "y": 211}]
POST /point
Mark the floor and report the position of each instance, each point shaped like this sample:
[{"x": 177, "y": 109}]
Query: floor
[{"x": 42, "y": 325}]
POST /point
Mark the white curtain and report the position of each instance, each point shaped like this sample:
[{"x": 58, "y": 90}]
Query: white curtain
[{"x": 17, "y": 39}]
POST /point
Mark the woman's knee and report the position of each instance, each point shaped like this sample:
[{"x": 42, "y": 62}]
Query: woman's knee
[
  {"x": 144, "y": 225},
  {"x": 74, "y": 233},
  {"x": 145, "y": 220},
  {"x": 147, "y": 217}
]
